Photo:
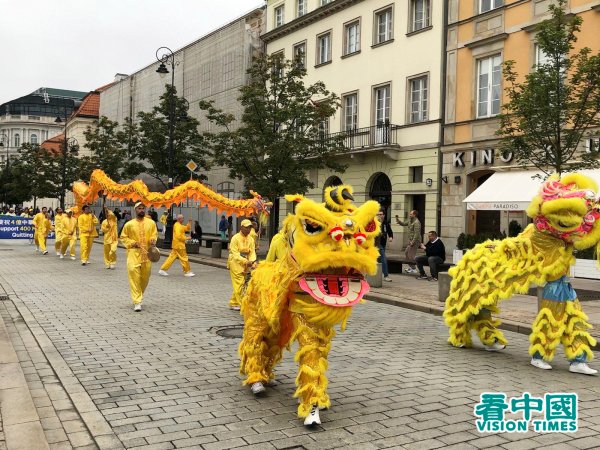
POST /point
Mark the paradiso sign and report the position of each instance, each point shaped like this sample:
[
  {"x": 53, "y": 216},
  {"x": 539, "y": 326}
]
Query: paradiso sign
[{"x": 475, "y": 157}]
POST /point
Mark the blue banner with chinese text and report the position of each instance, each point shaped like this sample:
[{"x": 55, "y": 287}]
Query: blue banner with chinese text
[{"x": 15, "y": 227}]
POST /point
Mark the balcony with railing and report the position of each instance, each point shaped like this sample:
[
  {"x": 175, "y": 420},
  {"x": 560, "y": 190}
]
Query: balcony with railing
[{"x": 383, "y": 137}]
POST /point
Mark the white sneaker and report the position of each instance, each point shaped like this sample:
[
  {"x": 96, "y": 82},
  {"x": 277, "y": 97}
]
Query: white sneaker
[
  {"x": 495, "y": 347},
  {"x": 138, "y": 307},
  {"x": 540, "y": 364},
  {"x": 189, "y": 274},
  {"x": 111, "y": 267},
  {"x": 234, "y": 308},
  {"x": 163, "y": 273},
  {"x": 387, "y": 279},
  {"x": 313, "y": 418},
  {"x": 45, "y": 252},
  {"x": 61, "y": 256},
  {"x": 73, "y": 258},
  {"x": 58, "y": 254},
  {"x": 583, "y": 368},
  {"x": 257, "y": 388}
]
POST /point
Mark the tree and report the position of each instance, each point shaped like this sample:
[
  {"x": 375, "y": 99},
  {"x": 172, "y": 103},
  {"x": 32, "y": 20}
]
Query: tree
[
  {"x": 557, "y": 105},
  {"x": 151, "y": 138},
  {"x": 34, "y": 173},
  {"x": 281, "y": 135},
  {"x": 110, "y": 149}
]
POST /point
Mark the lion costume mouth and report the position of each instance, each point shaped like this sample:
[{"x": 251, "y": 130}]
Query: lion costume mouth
[{"x": 334, "y": 290}]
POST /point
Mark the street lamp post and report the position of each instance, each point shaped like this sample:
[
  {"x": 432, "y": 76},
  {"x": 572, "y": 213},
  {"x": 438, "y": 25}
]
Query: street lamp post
[
  {"x": 67, "y": 143},
  {"x": 165, "y": 56}
]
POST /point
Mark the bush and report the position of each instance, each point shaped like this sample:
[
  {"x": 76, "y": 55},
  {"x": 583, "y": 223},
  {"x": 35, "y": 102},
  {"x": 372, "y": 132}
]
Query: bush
[
  {"x": 514, "y": 228},
  {"x": 468, "y": 241}
]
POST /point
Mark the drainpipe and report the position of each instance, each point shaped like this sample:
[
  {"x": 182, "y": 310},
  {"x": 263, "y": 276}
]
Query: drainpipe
[{"x": 442, "y": 117}]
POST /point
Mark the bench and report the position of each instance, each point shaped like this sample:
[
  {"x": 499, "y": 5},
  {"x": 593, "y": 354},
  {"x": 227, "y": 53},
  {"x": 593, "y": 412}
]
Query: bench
[
  {"x": 210, "y": 239},
  {"x": 395, "y": 264}
]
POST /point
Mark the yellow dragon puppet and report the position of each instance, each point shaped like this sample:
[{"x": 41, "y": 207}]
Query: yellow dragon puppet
[
  {"x": 566, "y": 216},
  {"x": 304, "y": 294}
]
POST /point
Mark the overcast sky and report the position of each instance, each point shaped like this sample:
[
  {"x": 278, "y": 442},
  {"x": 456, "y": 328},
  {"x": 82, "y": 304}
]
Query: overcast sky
[{"x": 82, "y": 44}]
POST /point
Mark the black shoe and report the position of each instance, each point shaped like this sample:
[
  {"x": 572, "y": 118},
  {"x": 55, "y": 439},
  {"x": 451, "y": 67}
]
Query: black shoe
[{"x": 422, "y": 277}]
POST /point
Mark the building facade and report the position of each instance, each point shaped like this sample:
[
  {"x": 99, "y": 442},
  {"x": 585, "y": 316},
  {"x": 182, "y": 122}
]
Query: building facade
[
  {"x": 32, "y": 118},
  {"x": 384, "y": 59},
  {"x": 482, "y": 35}
]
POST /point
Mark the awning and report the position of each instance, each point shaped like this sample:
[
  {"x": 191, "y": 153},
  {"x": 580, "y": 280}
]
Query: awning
[{"x": 511, "y": 190}]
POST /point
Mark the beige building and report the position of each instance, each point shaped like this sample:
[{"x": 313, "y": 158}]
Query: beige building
[{"x": 384, "y": 60}]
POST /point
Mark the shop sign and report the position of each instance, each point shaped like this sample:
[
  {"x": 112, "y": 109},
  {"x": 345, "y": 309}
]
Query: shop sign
[{"x": 479, "y": 157}]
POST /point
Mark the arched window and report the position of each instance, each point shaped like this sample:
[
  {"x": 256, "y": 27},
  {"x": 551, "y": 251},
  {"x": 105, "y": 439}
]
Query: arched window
[
  {"x": 17, "y": 140},
  {"x": 226, "y": 189},
  {"x": 33, "y": 139}
]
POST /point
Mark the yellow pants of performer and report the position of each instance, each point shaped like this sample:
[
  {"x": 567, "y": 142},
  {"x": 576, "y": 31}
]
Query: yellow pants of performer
[
  {"x": 138, "y": 280},
  {"x": 36, "y": 239},
  {"x": 58, "y": 242},
  {"x": 238, "y": 279},
  {"x": 180, "y": 254},
  {"x": 68, "y": 242},
  {"x": 42, "y": 242},
  {"x": 110, "y": 254},
  {"x": 85, "y": 247}
]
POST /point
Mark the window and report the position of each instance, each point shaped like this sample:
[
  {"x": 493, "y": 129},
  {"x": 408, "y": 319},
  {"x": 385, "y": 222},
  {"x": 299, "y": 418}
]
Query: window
[
  {"x": 350, "y": 112},
  {"x": 324, "y": 2},
  {"x": 488, "y": 86},
  {"x": 324, "y": 129},
  {"x": 488, "y": 5},
  {"x": 418, "y": 99},
  {"x": 383, "y": 25},
  {"x": 33, "y": 139},
  {"x": 420, "y": 14},
  {"x": 592, "y": 145},
  {"x": 540, "y": 57},
  {"x": 352, "y": 37},
  {"x": 382, "y": 114},
  {"x": 279, "y": 15},
  {"x": 17, "y": 139},
  {"x": 416, "y": 174},
  {"x": 324, "y": 48},
  {"x": 300, "y": 54},
  {"x": 278, "y": 62},
  {"x": 300, "y": 8},
  {"x": 226, "y": 189}
]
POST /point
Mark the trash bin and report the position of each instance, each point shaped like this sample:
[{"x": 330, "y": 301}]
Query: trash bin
[
  {"x": 216, "y": 249},
  {"x": 376, "y": 280}
]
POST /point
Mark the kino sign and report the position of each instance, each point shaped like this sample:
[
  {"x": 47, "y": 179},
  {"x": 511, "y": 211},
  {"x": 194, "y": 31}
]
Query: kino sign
[{"x": 484, "y": 157}]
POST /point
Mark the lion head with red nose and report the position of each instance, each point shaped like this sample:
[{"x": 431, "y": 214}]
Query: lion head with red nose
[{"x": 334, "y": 245}]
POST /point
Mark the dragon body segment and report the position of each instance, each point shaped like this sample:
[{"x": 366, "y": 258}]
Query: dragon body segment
[{"x": 302, "y": 296}]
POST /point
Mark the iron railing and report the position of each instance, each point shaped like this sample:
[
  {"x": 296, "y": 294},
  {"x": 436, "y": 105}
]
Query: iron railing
[{"x": 385, "y": 134}]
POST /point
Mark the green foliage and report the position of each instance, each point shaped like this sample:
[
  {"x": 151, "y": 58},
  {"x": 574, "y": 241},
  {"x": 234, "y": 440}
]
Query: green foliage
[
  {"x": 110, "y": 149},
  {"x": 280, "y": 136},
  {"x": 149, "y": 138},
  {"x": 514, "y": 228},
  {"x": 468, "y": 241},
  {"x": 549, "y": 113}
]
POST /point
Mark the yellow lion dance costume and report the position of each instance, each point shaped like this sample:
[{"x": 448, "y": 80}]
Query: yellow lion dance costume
[
  {"x": 566, "y": 216},
  {"x": 303, "y": 295}
]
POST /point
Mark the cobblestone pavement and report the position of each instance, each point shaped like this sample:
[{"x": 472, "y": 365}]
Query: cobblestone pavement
[{"x": 163, "y": 379}]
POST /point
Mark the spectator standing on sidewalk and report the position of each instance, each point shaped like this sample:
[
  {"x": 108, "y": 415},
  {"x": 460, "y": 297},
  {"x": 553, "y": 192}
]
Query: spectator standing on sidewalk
[
  {"x": 385, "y": 235},
  {"x": 435, "y": 254},
  {"x": 223, "y": 225},
  {"x": 414, "y": 238}
]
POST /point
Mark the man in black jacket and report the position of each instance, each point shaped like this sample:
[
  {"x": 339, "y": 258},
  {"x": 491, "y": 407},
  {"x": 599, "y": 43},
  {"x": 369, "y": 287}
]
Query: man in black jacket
[{"x": 435, "y": 254}]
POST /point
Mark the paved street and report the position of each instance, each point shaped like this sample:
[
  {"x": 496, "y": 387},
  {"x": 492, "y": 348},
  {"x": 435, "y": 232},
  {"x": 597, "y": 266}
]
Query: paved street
[{"x": 102, "y": 376}]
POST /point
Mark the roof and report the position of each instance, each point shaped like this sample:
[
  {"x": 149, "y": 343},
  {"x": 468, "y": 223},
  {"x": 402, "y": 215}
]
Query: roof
[
  {"x": 62, "y": 93},
  {"x": 90, "y": 105},
  {"x": 54, "y": 144}
]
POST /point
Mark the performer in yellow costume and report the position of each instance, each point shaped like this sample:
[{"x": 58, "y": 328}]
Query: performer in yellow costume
[
  {"x": 111, "y": 239},
  {"x": 278, "y": 247},
  {"x": 58, "y": 230},
  {"x": 242, "y": 258},
  {"x": 38, "y": 219},
  {"x": 303, "y": 295},
  {"x": 137, "y": 236},
  {"x": 86, "y": 223},
  {"x": 178, "y": 248},
  {"x": 69, "y": 238},
  {"x": 44, "y": 229},
  {"x": 566, "y": 216}
]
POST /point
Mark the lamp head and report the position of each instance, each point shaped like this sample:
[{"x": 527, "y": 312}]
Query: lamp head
[{"x": 162, "y": 69}]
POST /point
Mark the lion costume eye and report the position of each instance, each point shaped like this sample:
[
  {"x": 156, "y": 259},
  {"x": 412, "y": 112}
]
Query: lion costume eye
[{"x": 311, "y": 228}]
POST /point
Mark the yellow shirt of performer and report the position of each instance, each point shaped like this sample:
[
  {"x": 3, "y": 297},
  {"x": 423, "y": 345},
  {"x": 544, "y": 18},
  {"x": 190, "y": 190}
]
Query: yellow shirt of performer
[
  {"x": 37, "y": 223},
  {"x": 45, "y": 227},
  {"x": 87, "y": 225},
  {"x": 140, "y": 231},
  {"x": 241, "y": 250},
  {"x": 69, "y": 226},
  {"x": 109, "y": 228},
  {"x": 278, "y": 248},
  {"x": 59, "y": 227},
  {"x": 179, "y": 236}
]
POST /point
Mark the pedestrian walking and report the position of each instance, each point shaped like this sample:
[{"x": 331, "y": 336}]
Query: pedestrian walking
[
  {"x": 178, "y": 249},
  {"x": 138, "y": 236},
  {"x": 414, "y": 238},
  {"x": 44, "y": 230},
  {"x": 69, "y": 238},
  {"x": 86, "y": 223},
  {"x": 58, "y": 230},
  {"x": 386, "y": 234},
  {"x": 223, "y": 225},
  {"x": 38, "y": 220},
  {"x": 109, "y": 230},
  {"x": 242, "y": 259}
]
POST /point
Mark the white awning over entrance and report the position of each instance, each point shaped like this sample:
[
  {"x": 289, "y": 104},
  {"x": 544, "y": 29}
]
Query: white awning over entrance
[{"x": 511, "y": 190}]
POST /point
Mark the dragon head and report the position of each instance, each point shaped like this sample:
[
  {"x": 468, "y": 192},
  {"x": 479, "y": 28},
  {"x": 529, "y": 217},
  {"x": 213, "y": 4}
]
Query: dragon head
[
  {"x": 568, "y": 208},
  {"x": 333, "y": 243}
]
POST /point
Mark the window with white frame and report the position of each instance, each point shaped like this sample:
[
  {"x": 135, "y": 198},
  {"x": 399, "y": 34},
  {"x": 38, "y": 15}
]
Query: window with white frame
[
  {"x": 300, "y": 8},
  {"x": 279, "y": 13},
  {"x": 420, "y": 14},
  {"x": 17, "y": 139},
  {"x": 488, "y": 5},
  {"x": 382, "y": 105},
  {"x": 592, "y": 145},
  {"x": 324, "y": 2},
  {"x": 383, "y": 25},
  {"x": 540, "y": 57},
  {"x": 350, "y": 111},
  {"x": 419, "y": 99},
  {"x": 352, "y": 37},
  {"x": 324, "y": 129},
  {"x": 324, "y": 48},
  {"x": 33, "y": 139},
  {"x": 300, "y": 54},
  {"x": 489, "y": 73}
]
